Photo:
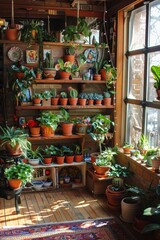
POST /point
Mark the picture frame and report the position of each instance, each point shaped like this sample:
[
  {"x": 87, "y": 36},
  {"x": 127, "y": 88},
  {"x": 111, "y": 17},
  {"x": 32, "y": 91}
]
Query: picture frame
[{"x": 31, "y": 56}]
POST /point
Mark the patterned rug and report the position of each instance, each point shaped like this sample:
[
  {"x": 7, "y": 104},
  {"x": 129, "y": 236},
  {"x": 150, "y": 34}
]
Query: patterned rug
[{"x": 97, "y": 229}]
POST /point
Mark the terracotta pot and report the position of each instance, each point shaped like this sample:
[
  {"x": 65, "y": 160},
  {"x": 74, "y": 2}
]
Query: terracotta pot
[
  {"x": 90, "y": 101},
  {"x": 78, "y": 158},
  {"x": 13, "y": 151},
  {"x": 36, "y": 101},
  {"x": 82, "y": 101},
  {"x": 98, "y": 102},
  {"x": 67, "y": 129},
  {"x": 114, "y": 197},
  {"x": 140, "y": 222},
  {"x": 69, "y": 159},
  {"x": 15, "y": 183},
  {"x": 38, "y": 75},
  {"x": 127, "y": 150},
  {"x": 129, "y": 209},
  {"x": 107, "y": 101},
  {"x": 94, "y": 156},
  {"x": 97, "y": 77},
  {"x": 11, "y": 34},
  {"x": 35, "y": 131},
  {"x": 54, "y": 101},
  {"x": 103, "y": 74},
  {"x": 63, "y": 101},
  {"x": 49, "y": 73},
  {"x": 81, "y": 128},
  {"x": 60, "y": 159},
  {"x": 156, "y": 164},
  {"x": 47, "y": 160},
  {"x": 69, "y": 58},
  {"x": 101, "y": 170},
  {"x": 47, "y": 131},
  {"x": 73, "y": 101},
  {"x": 64, "y": 75}
]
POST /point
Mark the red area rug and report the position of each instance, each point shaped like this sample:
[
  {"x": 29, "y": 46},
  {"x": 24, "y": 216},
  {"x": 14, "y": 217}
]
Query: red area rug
[{"x": 97, "y": 229}]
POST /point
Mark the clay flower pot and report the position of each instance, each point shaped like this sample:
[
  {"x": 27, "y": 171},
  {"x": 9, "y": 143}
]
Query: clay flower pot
[
  {"x": 64, "y": 75},
  {"x": 69, "y": 159},
  {"x": 15, "y": 183}
]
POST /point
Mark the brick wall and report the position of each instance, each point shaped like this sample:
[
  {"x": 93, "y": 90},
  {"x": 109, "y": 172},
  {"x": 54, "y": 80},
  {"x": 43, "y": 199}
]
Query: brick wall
[{"x": 142, "y": 176}]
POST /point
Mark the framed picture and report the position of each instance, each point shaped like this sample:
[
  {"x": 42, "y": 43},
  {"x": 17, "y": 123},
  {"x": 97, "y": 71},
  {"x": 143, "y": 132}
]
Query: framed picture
[
  {"x": 31, "y": 56},
  {"x": 45, "y": 51}
]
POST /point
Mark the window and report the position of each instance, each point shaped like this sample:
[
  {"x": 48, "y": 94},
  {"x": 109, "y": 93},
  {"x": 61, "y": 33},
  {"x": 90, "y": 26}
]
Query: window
[{"x": 143, "y": 51}]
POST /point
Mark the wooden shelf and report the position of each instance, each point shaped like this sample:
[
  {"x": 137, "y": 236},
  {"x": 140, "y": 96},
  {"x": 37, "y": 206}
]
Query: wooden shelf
[
  {"x": 79, "y": 80},
  {"x": 66, "y": 107},
  {"x": 59, "y": 137}
]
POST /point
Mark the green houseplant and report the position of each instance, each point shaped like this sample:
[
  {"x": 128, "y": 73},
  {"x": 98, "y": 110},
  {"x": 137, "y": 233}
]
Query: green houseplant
[
  {"x": 74, "y": 33},
  {"x": 156, "y": 75},
  {"x": 49, "y": 122},
  {"x": 49, "y": 71},
  {"x": 21, "y": 171},
  {"x": 66, "y": 122},
  {"x": 100, "y": 127},
  {"x": 34, "y": 156},
  {"x": 14, "y": 140},
  {"x": 143, "y": 144}
]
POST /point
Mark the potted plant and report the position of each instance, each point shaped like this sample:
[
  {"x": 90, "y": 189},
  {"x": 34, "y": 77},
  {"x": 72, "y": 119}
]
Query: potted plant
[
  {"x": 150, "y": 155},
  {"x": 34, "y": 127},
  {"x": 73, "y": 96},
  {"x": 90, "y": 98},
  {"x": 108, "y": 72},
  {"x": 47, "y": 154},
  {"x": 64, "y": 69},
  {"x": 14, "y": 140},
  {"x": 49, "y": 122},
  {"x": 63, "y": 98},
  {"x": 37, "y": 98},
  {"x": 156, "y": 75},
  {"x": 78, "y": 153},
  {"x": 100, "y": 126},
  {"x": 60, "y": 154},
  {"x": 54, "y": 97},
  {"x": 34, "y": 156},
  {"x": 21, "y": 173},
  {"x": 81, "y": 124},
  {"x": 69, "y": 155},
  {"x": 98, "y": 98},
  {"x": 100, "y": 52},
  {"x": 46, "y": 98},
  {"x": 75, "y": 33},
  {"x": 104, "y": 160},
  {"x": 127, "y": 147},
  {"x": 49, "y": 71},
  {"x": 22, "y": 84},
  {"x": 66, "y": 122},
  {"x": 39, "y": 73},
  {"x": 108, "y": 92},
  {"x": 32, "y": 31},
  {"x": 143, "y": 144},
  {"x": 82, "y": 98}
]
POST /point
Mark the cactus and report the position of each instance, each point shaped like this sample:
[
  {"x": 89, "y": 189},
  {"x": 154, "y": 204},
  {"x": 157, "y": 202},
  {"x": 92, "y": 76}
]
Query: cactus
[
  {"x": 73, "y": 93},
  {"x": 48, "y": 62},
  {"x": 54, "y": 93}
]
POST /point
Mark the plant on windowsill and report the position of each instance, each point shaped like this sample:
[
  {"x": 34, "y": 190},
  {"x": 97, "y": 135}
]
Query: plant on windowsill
[
  {"x": 127, "y": 147},
  {"x": 14, "y": 140},
  {"x": 143, "y": 144},
  {"x": 20, "y": 173},
  {"x": 156, "y": 75}
]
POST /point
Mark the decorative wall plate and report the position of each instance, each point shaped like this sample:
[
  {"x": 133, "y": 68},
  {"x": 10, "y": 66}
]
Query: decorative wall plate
[
  {"x": 90, "y": 55},
  {"x": 15, "y": 54}
]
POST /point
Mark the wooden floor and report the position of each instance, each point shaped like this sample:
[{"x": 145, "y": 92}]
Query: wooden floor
[{"x": 56, "y": 206}]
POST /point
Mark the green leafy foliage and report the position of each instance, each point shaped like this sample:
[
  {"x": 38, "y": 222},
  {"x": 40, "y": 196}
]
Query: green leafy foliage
[{"x": 156, "y": 75}]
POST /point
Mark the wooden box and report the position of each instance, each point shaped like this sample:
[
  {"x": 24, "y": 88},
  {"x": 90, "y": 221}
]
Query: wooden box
[{"x": 96, "y": 184}]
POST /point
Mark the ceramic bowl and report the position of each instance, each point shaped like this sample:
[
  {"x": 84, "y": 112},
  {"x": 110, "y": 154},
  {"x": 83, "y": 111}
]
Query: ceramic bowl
[
  {"x": 47, "y": 183},
  {"x": 37, "y": 184},
  {"x": 33, "y": 161}
]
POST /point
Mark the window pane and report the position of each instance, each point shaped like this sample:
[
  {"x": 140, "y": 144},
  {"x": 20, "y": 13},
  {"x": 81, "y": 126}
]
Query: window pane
[
  {"x": 153, "y": 126},
  {"x": 154, "y": 33},
  {"x": 153, "y": 59},
  {"x": 137, "y": 26},
  {"x": 134, "y": 123},
  {"x": 136, "y": 77}
]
